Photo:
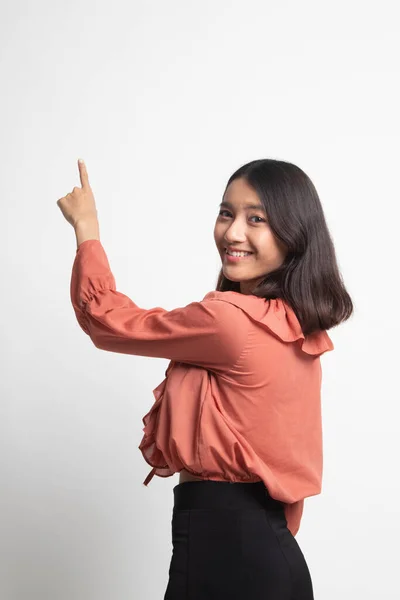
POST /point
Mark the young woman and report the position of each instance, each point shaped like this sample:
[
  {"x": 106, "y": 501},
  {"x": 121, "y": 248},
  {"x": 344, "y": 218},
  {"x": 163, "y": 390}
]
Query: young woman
[{"x": 238, "y": 414}]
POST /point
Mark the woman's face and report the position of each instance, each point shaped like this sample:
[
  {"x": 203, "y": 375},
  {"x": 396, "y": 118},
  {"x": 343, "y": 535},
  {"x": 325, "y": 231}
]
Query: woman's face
[{"x": 243, "y": 228}]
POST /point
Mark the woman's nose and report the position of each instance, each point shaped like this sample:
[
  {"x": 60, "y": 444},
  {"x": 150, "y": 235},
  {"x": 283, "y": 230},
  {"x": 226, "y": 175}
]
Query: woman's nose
[{"x": 234, "y": 235}]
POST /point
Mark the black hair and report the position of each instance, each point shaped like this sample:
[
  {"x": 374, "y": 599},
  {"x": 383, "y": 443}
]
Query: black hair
[{"x": 309, "y": 279}]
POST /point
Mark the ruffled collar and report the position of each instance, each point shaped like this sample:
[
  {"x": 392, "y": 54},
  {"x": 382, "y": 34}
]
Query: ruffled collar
[{"x": 279, "y": 318}]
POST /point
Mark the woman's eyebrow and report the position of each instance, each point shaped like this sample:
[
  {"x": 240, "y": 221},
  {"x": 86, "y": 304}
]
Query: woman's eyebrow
[{"x": 248, "y": 206}]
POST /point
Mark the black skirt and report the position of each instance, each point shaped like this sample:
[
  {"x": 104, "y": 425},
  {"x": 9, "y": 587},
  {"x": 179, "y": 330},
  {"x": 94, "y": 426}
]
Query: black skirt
[{"x": 230, "y": 541}]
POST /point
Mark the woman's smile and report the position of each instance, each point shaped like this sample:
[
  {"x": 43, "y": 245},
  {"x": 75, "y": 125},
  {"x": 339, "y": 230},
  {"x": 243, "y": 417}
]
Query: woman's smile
[{"x": 234, "y": 259}]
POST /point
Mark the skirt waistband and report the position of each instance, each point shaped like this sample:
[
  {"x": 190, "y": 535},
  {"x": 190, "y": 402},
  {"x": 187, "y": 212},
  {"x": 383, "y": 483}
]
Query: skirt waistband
[{"x": 223, "y": 494}]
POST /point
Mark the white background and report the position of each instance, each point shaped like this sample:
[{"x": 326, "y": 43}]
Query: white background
[{"x": 164, "y": 100}]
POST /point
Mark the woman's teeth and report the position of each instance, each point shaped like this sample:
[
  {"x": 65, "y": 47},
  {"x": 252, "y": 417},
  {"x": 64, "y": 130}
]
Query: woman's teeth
[{"x": 238, "y": 253}]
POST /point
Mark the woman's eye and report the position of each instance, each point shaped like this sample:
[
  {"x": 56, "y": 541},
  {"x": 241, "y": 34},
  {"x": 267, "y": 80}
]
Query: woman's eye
[{"x": 253, "y": 217}]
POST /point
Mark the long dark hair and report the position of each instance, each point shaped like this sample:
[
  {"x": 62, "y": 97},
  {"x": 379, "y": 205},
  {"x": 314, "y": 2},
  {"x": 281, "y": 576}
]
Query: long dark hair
[{"x": 309, "y": 280}]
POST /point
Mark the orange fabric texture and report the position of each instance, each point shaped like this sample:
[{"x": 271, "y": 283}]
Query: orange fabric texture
[{"x": 241, "y": 399}]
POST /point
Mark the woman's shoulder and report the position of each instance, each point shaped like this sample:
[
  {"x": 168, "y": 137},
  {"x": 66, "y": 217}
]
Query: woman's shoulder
[{"x": 278, "y": 318}]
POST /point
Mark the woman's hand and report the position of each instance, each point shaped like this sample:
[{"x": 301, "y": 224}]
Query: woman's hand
[{"x": 79, "y": 207}]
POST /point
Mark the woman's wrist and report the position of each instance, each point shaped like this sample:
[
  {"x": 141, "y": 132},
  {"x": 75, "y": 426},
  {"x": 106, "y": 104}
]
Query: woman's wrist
[{"x": 87, "y": 230}]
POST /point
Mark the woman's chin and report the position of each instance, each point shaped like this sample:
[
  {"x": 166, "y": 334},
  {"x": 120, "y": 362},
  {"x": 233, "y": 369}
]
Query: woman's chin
[{"x": 230, "y": 276}]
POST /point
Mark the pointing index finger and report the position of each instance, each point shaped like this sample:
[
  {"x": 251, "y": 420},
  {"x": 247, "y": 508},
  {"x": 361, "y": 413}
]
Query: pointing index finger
[{"x": 83, "y": 174}]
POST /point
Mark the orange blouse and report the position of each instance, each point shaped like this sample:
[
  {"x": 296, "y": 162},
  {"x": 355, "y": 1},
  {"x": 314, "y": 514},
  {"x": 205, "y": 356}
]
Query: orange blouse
[{"x": 241, "y": 400}]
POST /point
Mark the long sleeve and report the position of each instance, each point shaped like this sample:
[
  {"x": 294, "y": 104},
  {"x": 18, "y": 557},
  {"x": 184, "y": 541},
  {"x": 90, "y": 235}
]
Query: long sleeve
[{"x": 210, "y": 333}]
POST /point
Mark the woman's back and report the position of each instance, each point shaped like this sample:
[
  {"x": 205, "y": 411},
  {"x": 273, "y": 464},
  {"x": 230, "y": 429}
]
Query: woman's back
[{"x": 258, "y": 420}]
